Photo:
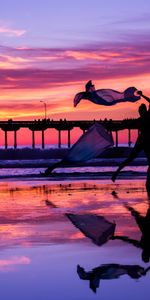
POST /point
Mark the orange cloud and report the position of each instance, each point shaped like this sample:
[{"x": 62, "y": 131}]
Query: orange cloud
[
  {"x": 95, "y": 55},
  {"x": 29, "y": 75}
]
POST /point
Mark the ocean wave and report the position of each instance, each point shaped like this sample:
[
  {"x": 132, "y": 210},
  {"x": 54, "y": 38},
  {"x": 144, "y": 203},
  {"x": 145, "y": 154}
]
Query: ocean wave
[{"x": 76, "y": 172}]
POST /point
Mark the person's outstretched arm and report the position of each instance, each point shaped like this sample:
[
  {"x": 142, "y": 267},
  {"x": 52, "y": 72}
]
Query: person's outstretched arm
[{"x": 145, "y": 97}]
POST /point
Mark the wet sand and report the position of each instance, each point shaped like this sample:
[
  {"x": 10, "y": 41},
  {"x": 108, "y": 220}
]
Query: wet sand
[{"x": 41, "y": 248}]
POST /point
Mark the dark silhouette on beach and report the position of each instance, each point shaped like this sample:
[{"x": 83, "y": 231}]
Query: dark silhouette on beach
[
  {"x": 142, "y": 142},
  {"x": 110, "y": 271},
  {"x": 143, "y": 222},
  {"x": 91, "y": 144}
]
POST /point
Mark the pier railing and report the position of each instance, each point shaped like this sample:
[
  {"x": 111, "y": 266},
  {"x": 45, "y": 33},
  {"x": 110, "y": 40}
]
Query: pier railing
[{"x": 65, "y": 125}]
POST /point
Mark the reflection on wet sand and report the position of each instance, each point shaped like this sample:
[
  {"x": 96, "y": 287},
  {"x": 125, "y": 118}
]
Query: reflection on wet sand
[
  {"x": 143, "y": 223},
  {"x": 40, "y": 248},
  {"x": 28, "y": 208},
  {"x": 110, "y": 271},
  {"x": 95, "y": 227},
  {"x": 9, "y": 263}
]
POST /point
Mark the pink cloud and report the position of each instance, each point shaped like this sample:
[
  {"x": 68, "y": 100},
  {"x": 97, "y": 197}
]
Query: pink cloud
[
  {"x": 42, "y": 68},
  {"x": 29, "y": 74},
  {"x": 11, "y": 32},
  {"x": 8, "y": 264}
]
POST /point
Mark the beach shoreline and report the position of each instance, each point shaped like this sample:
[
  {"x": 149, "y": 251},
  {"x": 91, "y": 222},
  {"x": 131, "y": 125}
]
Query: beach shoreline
[
  {"x": 30, "y": 164},
  {"x": 44, "y": 163},
  {"x": 58, "y": 153},
  {"x": 36, "y": 175}
]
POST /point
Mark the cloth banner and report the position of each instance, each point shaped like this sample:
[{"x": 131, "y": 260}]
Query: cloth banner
[
  {"x": 105, "y": 96},
  {"x": 92, "y": 143}
]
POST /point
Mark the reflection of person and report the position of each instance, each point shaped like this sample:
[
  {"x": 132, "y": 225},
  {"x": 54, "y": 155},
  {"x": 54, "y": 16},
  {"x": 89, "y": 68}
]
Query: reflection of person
[
  {"x": 110, "y": 271},
  {"x": 142, "y": 142},
  {"x": 144, "y": 226}
]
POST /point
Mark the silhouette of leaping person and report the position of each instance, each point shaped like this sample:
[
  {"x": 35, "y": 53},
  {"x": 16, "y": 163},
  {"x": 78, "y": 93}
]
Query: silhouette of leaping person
[
  {"x": 143, "y": 223},
  {"x": 89, "y": 145},
  {"x": 142, "y": 142},
  {"x": 110, "y": 271}
]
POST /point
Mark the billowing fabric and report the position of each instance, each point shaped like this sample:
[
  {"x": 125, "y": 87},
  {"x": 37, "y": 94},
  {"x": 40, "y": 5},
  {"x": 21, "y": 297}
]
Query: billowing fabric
[
  {"x": 105, "y": 96},
  {"x": 92, "y": 143}
]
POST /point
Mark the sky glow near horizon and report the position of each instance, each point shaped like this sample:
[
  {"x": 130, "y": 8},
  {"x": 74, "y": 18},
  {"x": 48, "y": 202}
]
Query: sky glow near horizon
[{"x": 50, "y": 49}]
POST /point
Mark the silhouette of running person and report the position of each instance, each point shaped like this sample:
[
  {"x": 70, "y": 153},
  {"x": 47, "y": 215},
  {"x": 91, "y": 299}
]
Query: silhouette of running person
[
  {"x": 110, "y": 271},
  {"x": 142, "y": 142},
  {"x": 143, "y": 223}
]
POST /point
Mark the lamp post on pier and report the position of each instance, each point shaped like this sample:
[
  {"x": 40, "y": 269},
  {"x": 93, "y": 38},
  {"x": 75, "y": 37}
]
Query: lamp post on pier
[{"x": 45, "y": 108}]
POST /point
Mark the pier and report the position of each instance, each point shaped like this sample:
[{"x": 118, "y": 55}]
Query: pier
[{"x": 64, "y": 125}]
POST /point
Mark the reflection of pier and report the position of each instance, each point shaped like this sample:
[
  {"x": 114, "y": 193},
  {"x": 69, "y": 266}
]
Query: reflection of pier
[{"x": 64, "y": 125}]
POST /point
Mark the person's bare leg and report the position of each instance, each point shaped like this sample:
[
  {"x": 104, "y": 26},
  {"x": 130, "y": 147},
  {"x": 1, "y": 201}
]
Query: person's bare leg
[{"x": 51, "y": 168}]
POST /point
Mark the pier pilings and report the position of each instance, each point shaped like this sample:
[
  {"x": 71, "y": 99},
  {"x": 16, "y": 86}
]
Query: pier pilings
[{"x": 115, "y": 126}]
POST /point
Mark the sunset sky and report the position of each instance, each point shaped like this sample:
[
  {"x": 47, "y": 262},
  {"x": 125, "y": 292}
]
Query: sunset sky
[{"x": 50, "y": 49}]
